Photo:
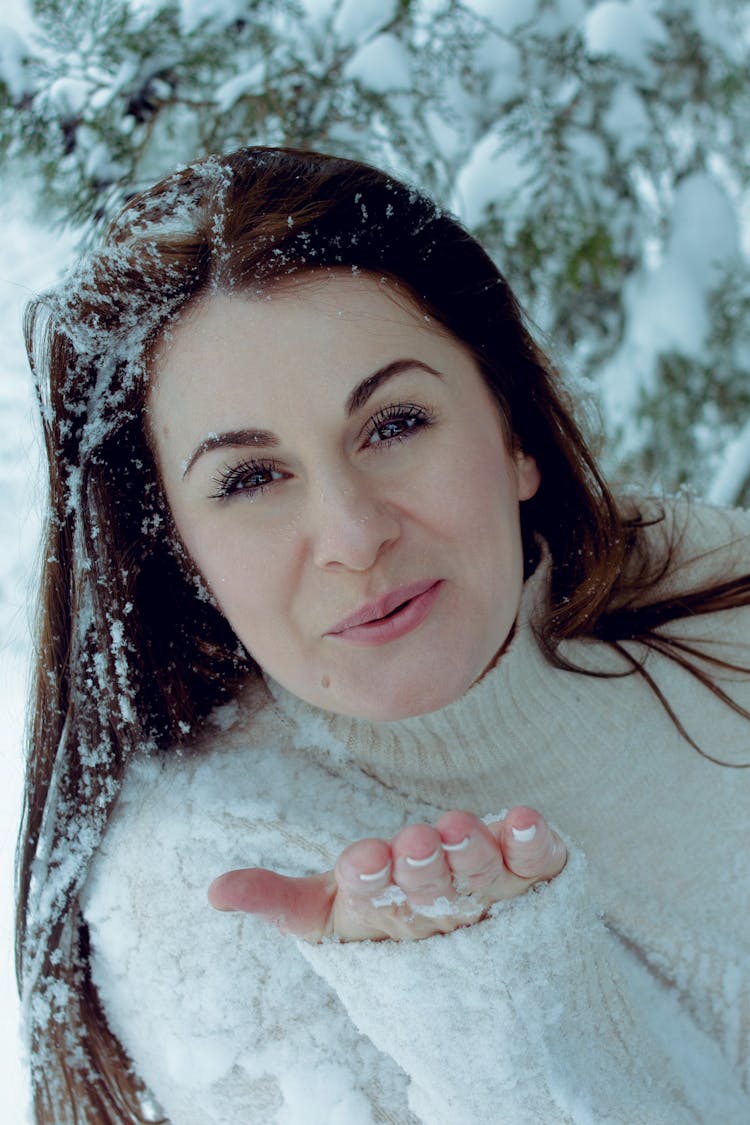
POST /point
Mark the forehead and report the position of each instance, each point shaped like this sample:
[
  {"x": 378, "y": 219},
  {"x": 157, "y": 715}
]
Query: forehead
[{"x": 335, "y": 325}]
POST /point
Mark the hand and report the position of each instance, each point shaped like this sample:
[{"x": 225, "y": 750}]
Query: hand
[{"x": 424, "y": 881}]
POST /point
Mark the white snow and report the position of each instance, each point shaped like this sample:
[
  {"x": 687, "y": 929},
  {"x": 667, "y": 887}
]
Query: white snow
[
  {"x": 625, "y": 29},
  {"x": 357, "y": 20},
  {"x": 12, "y": 51},
  {"x": 508, "y": 15},
  {"x": 666, "y": 304},
  {"x": 734, "y": 470},
  {"x": 17, "y": 15},
  {"x": 68, "y": 96},
  {"x": 500, "y": 60},
  {"x": 729, "y": 30},
  {"x": 234, "y": 88},
  {"x": 32, "y": 257},
  {"x": 553, "y": 19},
  {"x": 627, "y": 121},
  {"x": 493, "y": 173},
  {"x": 318, "y": 9},
  {"x": 383, "y": 64},
  {"x": 195, "y": 12}
]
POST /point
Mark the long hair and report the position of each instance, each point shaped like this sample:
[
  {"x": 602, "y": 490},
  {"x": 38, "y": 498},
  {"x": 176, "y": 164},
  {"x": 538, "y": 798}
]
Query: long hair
[{"x": 132, "y": 652}]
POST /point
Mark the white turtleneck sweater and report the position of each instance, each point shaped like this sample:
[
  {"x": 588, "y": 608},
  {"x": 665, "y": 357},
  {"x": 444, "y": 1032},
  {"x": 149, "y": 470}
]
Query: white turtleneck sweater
[{"x": 618, "y": 993}]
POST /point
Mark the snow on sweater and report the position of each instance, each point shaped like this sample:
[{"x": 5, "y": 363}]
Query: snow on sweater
[{"x": 619, "y": 993}]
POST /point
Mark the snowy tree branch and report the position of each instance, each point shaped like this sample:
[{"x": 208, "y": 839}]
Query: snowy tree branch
[{"x": 727, "y": 486}]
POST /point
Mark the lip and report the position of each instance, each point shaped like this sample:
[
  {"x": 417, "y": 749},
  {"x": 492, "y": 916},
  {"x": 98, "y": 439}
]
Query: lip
[{"x": 371, "y": 623}]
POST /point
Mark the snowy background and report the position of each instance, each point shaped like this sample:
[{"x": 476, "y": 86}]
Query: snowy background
[
  {"x": 31, "y": 259},
  {"x": 678, "y": 229}
]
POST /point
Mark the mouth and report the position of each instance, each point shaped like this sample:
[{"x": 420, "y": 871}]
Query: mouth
[{"x": 390, "y": 616}]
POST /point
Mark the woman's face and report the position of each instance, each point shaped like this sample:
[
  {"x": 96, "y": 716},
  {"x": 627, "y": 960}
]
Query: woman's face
[{"x": 340, "y": 474}]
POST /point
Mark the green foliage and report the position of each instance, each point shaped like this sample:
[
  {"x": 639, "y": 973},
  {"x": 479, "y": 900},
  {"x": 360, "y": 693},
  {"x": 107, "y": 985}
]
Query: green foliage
[
  {"x": 691, "y": 414},
  {"x": 564, "y": 151}
]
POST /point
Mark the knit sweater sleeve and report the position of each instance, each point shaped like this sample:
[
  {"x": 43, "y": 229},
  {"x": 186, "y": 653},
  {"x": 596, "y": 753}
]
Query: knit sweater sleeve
[
  {"x": 537, "y": 1013},
  {"x": 223, "y": 1019}
]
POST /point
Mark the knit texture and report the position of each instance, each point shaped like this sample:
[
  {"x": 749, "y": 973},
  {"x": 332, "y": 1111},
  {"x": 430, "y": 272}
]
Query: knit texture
[{"x": 618, "y": 993}]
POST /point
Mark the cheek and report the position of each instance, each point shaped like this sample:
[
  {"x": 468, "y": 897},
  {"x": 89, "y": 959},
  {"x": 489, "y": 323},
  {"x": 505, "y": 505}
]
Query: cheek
[
  {"x": 250, "y": 574},
  {"x": 480, "y": 494}
]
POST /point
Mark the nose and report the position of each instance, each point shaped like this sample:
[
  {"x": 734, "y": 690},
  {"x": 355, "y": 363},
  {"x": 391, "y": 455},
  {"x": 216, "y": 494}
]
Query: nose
[{"x": 351, "y": 525}]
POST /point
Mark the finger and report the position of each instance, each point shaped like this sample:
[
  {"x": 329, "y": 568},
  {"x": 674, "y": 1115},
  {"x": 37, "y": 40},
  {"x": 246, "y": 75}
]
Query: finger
[
  {"x": 472, "y": 852},
  {"x": 297, "y": 906},
  {"x": 419, "y": 865},
  {"x": 532, "y": 850},
  {"x": 363, "y": 869}
]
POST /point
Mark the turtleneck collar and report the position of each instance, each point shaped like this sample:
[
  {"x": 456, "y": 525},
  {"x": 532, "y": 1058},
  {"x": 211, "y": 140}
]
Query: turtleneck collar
[{"x": 440, "y": 754}]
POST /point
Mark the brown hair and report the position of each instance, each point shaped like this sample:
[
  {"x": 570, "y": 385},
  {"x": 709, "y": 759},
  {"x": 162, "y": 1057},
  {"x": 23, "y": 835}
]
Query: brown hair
[{"x": 132, "y": 653}]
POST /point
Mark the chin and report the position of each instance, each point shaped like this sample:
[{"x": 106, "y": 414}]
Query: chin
[{"x": 420, "y": 699}]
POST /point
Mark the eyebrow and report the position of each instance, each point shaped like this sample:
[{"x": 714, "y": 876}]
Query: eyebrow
[{"x": 364, "y": 390}]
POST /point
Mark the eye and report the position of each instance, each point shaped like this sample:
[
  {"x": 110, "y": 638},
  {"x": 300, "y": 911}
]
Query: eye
[
  {"x": 250, "y": 478},
  {"x": 395, "y": 423}
]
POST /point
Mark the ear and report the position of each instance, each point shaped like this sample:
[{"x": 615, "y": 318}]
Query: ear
[{"x": 527, "y": 474}]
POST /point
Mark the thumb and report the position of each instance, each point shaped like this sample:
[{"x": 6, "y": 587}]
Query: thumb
[{"x": 297, "y": 906}]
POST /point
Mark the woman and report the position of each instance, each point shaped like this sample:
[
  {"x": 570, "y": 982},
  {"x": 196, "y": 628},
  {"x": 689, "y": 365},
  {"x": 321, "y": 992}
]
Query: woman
[{"x": 331, "y": 575}]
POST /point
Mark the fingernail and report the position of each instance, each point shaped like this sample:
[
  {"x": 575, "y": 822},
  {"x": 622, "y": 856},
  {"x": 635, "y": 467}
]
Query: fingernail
[
  {"x": 457, "y": 847},
  {"x": 375, "y": 875},
  {"x": 523, "y": 835},
  {"x": 423, "y": 862}
]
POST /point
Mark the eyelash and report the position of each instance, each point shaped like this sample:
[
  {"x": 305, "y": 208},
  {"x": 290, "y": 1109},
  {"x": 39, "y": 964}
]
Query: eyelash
[
  {"x": 232, "y": 480},
  {"x": 408, "y": 414}
]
